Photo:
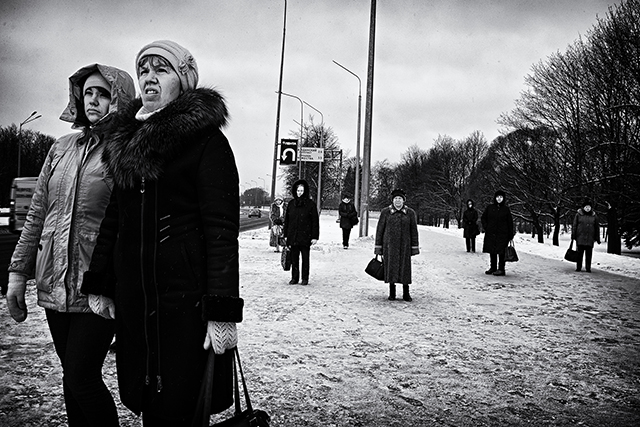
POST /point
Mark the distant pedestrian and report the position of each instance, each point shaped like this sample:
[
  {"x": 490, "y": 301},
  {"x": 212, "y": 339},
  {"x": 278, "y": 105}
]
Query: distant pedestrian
[
  {"x": 397, "y": 241},
  {"x": 348, "y": 218},
  {"x": 585, "y": 230},
  {"x": 497, "y": 223},
  {"x": 301, "y": 229},
  {"x": 470, "y": 224},
  {"x": 276, "y": 216},
  {"x": 59, "y": 236}
]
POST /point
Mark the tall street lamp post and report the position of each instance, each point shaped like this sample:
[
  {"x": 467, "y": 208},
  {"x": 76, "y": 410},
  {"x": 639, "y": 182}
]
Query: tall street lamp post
[
  {"x": 356, "y": 195},
  {"x": 321, "y": 146},
  {"x": 301, "y": 121},
  {"x": 277, "y": 141},
  {"x": 27, "y": 120}
]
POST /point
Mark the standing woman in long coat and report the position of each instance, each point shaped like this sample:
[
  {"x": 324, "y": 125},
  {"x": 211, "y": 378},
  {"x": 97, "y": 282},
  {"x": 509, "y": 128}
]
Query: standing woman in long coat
[
  {"x": 168, "y": 246},
  {"x": 276, "y": 216},
  {"x": 301, "y": 229},
  {"x": 497, "y": 223},
  {"x": 585, "y": 231},
  {"x": 470, "y": 224},
  {"x": 397, "y": 242},
  {"x": 348, "y": 218}
]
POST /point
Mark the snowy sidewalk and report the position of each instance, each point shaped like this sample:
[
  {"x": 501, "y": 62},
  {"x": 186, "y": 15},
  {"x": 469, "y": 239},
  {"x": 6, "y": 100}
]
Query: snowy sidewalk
[{"x": 543, "y": 344}]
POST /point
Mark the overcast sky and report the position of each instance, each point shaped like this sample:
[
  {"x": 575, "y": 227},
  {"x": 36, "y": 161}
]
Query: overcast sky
[{"x": 442, "y": 66}]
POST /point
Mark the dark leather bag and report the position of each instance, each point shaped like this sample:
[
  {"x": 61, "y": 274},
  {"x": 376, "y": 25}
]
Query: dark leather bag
[
  {"x": 510, "y": 254},
  {"x": 571, "y": 255},
  {"x": 248, "y": 418},
  {"x": 375, "y": 268}
]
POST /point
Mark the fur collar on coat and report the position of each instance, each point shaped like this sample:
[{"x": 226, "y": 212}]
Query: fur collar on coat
[{"x": 139, "y": 149}]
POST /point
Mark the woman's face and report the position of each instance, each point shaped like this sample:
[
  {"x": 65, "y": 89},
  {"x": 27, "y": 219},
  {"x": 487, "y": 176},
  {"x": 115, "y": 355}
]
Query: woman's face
[
  {"x": 346, "y": 200},
  {"x": 158, "y": 81},
  {"x": 278, "y": 202},
  {"x": 398, "y": 202},
  {"x": 96, "y": 103},
  {"x": 499, "y": 199},
  {"x": 587, "y": 208},
  {"x": 470, "y": 204},
  {"x": 300, "y": 191}
]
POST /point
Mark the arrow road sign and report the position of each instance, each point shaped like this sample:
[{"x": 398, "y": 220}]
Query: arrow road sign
[{"x": 288, "y": 151}]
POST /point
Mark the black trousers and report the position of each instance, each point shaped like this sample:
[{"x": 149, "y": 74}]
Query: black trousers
[
  {"x": 82, "y": 341},
  {"x": 296, "y": 251},
  {"x": 346, "y": 232},
  {"x": 471, "y": 243},
  {"x": 588, "y": 255},
  {"x": 497, "y": 258}
]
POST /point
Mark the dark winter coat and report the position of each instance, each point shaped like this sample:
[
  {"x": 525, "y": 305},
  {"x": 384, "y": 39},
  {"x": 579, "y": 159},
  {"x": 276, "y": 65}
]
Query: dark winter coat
[
  {"x": 586, "y": 228},
  {"x": 470, "y": 223},
  {"x": 301, "y": 221},
  {"x": 397, "y": 241},
  {"x": 276, "y": 214},
  {"x": 169, "y": 247},
  {"x": 348, "y": 215},
  {"x": 497, "y": 223}
]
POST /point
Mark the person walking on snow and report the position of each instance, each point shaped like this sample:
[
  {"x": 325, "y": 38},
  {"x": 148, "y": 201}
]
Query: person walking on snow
[
  {"x": 470, "y": 224},
  {"x": 348, "y": 218},
  {"x": 397, "y": 241},
  {"x": 276, "y": 216},
  {"x": 585, "y": 230},
  {"x": 497, "y": 223},
  {"x": 301, "y": 229}
]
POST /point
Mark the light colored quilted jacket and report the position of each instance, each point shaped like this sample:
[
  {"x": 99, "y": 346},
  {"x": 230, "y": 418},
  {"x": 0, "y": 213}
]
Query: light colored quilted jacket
[{"x": 69, "y": 202}]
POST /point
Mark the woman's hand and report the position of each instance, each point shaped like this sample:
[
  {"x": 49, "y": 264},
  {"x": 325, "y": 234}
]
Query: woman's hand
[
  {"x": 16, "y": 289},
  {"x": 221, "y": 336},
  {"x": 314, "y": 241},
  {"x": 102, "y": 306}
]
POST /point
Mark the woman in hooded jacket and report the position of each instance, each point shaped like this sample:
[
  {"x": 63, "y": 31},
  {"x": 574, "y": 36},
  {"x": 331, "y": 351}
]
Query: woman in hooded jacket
[
  {"x": 168, "y": 245},
  {"x": 497, "y": 223},
  {"x": 585, "y": 231},
  {"x": 72, "y": 193},
  {"x": 470, "y": 224},
  {"x": 301, "y": 229}
]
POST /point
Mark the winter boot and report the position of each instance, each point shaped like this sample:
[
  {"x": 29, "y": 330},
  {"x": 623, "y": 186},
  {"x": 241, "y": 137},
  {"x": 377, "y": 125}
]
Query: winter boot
[
  {"x": 392, "y": 292},
  {"x": 405, "y": 293}
]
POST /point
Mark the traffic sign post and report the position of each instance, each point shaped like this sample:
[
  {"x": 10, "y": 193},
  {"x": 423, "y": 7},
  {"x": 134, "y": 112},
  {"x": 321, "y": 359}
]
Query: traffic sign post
[
  {"x": 311, "y": 154},
  {"x": 288, "y": 151}
]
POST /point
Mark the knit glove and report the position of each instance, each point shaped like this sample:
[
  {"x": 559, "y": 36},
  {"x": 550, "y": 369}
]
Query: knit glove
[
  {"x": 16, "y": 289},
  {"x": 102, "y": 306},
  {"x": 221, "y": 336}
]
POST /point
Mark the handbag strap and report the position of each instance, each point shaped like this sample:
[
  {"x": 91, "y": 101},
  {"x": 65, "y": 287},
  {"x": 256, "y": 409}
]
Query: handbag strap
[
  {"x": 244, "y": 384},
  {"x": 571, "y": 245}
]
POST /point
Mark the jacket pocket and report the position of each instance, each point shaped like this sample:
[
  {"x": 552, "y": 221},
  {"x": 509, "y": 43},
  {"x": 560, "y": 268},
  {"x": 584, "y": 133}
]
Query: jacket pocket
[
  {"x": 44, "y": 262},
  {"x": 178, "y": 266}
]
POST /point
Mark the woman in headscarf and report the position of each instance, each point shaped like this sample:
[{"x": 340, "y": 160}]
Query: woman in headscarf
[
  {"x": 276, "y": 216},
  {"x": 58, "y": 238},
  {"x": 169, "y": 241},
  {"x": 497, "y": 224},
  {"x": 397, "y": 241},
  {"x": 585, "y": 231},
  {"x": 470, "y": 224}
]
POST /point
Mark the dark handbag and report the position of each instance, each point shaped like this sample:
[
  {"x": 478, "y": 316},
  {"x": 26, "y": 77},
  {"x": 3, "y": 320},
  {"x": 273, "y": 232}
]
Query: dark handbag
[
  {"x": 510, "y": 254},
  {"x": 375, "y": 268},
  {"x": 354, "y": 220},
  {"x": 571, "y": 255},
  {"x": 285, "y": 258},
  {"x": 248, "y": 418}
]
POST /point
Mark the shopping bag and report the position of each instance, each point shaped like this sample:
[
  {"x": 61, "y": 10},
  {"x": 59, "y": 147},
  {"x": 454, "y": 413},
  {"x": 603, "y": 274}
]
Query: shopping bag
[
  {"x": 571, "y": 255},
  {"x": 510, "y": 254},
  {"x": 375, "y": 268},
  {"x": 285, "y": 258}
]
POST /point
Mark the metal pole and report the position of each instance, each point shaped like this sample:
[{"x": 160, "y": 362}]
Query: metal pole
[
  {"x": 356, "y": 195},
  {"x": 301, "y": 122},
  {"x": 366, "y": 154},
  {"x": 275, "y": 145},
  {"x": 27, "y": 120},
  {"x": 318, "y": 202}
]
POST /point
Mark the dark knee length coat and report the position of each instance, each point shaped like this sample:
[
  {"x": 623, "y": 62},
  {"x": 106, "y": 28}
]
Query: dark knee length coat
[
  {"x": 168, "y": 250},
  {"x": 397, "y": 241},
  {"x": 497, "y": 223}
]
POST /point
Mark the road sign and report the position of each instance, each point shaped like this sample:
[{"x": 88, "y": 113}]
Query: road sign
[
  {"x": 288, "y": 151},
  {"x": 311, "y": 154}
]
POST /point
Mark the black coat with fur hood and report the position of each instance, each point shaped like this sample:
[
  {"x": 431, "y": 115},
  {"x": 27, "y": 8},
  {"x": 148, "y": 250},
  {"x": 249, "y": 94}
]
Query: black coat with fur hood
[
  {"x": 301, "y": 221},
  {"x": 168, "y": 248},
  {"x": 497, "y": 223}
]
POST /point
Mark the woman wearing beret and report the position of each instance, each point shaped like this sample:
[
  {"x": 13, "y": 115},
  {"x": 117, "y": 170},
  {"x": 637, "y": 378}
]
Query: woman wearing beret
[
  {"x": 397, "y": 242},
  {"x": 585, "y": 231},
  {"x": 168, "y": 245},
  {"x": 58, "y": 238},
  {"x": 497, "y": 223}
]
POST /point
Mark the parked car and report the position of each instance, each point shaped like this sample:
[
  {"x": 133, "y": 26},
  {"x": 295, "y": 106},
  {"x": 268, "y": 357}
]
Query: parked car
[
  {"x": 255, "y": 212},
  {"x": 22, "y": 190}
]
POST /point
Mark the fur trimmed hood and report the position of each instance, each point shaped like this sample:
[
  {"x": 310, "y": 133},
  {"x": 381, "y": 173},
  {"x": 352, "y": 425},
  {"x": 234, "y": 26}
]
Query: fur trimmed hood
[{"x": 139, "y": 149}]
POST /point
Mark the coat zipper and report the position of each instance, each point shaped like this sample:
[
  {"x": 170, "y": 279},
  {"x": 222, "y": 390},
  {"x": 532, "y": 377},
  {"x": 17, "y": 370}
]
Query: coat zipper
[{"x": 147, "y": 380}]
